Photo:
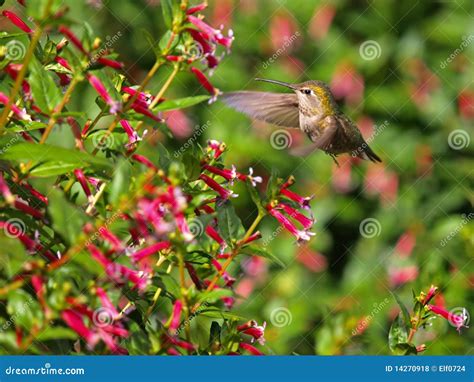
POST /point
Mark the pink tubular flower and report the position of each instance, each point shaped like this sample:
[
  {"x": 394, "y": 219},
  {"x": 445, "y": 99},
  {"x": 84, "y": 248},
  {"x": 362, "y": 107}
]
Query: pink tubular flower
[
  {"x": 457, "y": 320},
  {"x": 17, "y": 21},
  {"x": 204, "y": 82},
  {"x": 132, "y": 134},
  {"x": 74, "y": 320},
  {"x": 289, "y": 226},
  {"x": 100, "y": 88},
  {"x": 81, "y": 178},
  {"x": 106, "y": 303},
  {"x": 214, "y": 35},
  {"x": 113, "y": 240},
  {"x": 22, "y": 114},
  {"x": 306, "y": 222},
  {"x": 223, "y": 193},
  {"x": 228, "y": 174},
  {"x": 152, "y": 249},
  {"x": 72, "y": 37},
  {"x": 229, "y": 281},
  {"x": 22, "y": 206},
  {"x": 252, "y": 329},
  {"x": 176, "y": 316},
  {"x": 433, "y": 290},
  {"x": 5, "y": 190},
  {"x": 303, "y": 201},
  {"x": 251, "y": 349}
]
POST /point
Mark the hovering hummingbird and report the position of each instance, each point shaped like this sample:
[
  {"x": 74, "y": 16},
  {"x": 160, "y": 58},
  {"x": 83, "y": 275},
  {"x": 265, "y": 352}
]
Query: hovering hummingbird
[{"x": 312, "y": 109}]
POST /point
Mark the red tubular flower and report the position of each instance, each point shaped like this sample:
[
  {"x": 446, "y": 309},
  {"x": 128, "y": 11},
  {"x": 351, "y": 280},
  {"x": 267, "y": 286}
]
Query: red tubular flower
[
  {"x": 306, "y": 222},
  {"x": 75, "y": 321},
  {"x": 303, "y": 201},
  {"x": 252, "y": 329},
  {"x": 81, "y": 178},
  {"x": 176, "y": 316},
  {"x": 196, "y": 8},
  {"x": 288, "y": 225},
  {"x": 100, "y": 88},
  {"x": 110, "y": 63},
  {"x": 152, "y": 249},
  {"x": 180, "y": 343},
  {"x": 214, "y": 35},
  {"x": 229, "y": 281},
  {"x": 223, "y": 193},
  {"x": 253, "y": 179},
  {"x": 217, "y": 147},
  {"x": 194, "y": 276},
  {"x": 228, "y": 174},
  {"x": 132, "y": 134},
  {"x": 433, "y": 290},
  {"x": 17, "y": 21},
  {"x": 251, "y": 349},
  {"x": 144, "y": 160},
  {"x": 22, "y": 114},
  {"x": 143, "y": 110},
  {"x": 106, "y": 302},
  {"x": 19, "y": 205},
  {"x": 72, "y": 37},
  {"x": 255, "y": 236},
  {"x": 213, "y": 234},
  {"x": 457, "y": 320},
  {"x": 204, "y": 81},
  {"x": 183, "y": 227},
  {"x": 113, "y": 240}
]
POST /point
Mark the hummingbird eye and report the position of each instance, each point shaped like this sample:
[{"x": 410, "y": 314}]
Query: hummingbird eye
[{"x": 307, "y": 91}]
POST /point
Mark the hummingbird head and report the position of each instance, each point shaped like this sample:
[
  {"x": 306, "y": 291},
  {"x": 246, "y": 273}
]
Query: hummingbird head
[{"x": 313, "y": 96}]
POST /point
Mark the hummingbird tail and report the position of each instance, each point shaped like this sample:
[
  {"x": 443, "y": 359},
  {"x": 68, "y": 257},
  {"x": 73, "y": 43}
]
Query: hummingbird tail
[{"x": 368, "y": 154}]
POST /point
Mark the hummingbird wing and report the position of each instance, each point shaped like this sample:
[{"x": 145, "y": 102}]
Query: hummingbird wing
[
  {"x": 277, "y": 108},
  {"x": 329, "y": 127}
]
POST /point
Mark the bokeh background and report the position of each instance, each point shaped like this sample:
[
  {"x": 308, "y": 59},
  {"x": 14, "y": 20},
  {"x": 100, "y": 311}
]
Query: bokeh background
[{"x": 404, "y": 72}]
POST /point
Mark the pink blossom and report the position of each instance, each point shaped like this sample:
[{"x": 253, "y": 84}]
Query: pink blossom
[
  {"x": 213, "y": 234},
  {"x": 176, "y": 315},
  {"x": 75, "y": 321},
  {"x": 81, "y": 178},
  {"x": 223, "y": 193},
  {"x": 144, "y": 160},
  {"x": 132, "y": 134},
  {"x": 196, "y": 8},
  {"x": 252, "y": 329},
  {"x": 5, "y": 190},
  {"x": 217, "y": 147},
  {"x": 251, "y": 349},
  {"x": 289, "y": 226},
  {"x": 22, "y": 114},
  {"x": 303, "y": 201},
  {"x": 113, "y": 240},
  {"x": 204, "y": 82},
  {"x": 72, "y": 37},
  {"x": 110, "y": 63},
  {"x": 306, "y": 222}
]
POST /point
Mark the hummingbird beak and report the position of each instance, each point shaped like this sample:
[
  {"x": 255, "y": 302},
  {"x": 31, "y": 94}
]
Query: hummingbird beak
[{"x": 277, "y": 82}]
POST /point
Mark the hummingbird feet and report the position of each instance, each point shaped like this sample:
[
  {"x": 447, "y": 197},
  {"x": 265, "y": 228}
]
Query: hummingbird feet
[{"x": 333, "y": 156}]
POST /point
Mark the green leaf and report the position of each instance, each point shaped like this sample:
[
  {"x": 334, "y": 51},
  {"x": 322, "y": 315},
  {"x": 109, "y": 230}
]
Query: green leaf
[
  {"x": 167, "y": 9},
  {"x": 52, "y": 169},
  {"x": 405, "y": 349},
  {"x": 52, "y": 333},
  {"x": 38, "y": 9},
  {"x": 216, "y": 313},
  {"x": 215, "y": 334},
  {"x": 27, "y": 151},
  {"x": 23, "y": 309},
  {"x": 121, "y": 181},
  {"x": 397, "y": 334},
  {"x": 180, "y": 103},
  {"x": 255, "y": 197},
  {"x": 253, "y": 250},
  {"x": 404, "y": 310},
  {"x": 153, "y": 44},
  {"x": 228, "y": 223},
  {"x": 43, "y": 88},
  {"x": 67, "y": 219},
  {"x": 214, "y": 295}
]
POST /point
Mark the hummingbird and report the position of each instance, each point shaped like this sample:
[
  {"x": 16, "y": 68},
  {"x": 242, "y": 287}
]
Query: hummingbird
[{"x": 311, "y": 108}]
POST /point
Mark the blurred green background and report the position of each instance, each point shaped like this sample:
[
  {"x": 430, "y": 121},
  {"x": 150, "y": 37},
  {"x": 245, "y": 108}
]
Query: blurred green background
[{"x": 403, "y": 71}]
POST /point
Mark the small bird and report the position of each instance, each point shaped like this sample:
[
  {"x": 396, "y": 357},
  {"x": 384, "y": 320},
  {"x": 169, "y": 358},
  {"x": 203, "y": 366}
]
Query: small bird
[{"x": 313, "y": 110}]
